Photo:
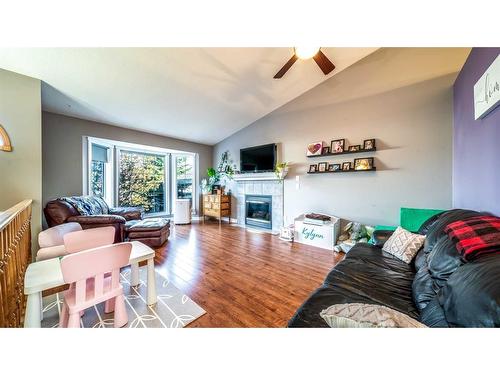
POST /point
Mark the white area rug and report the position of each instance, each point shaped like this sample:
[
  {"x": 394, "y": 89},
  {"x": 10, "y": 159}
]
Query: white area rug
[{"x": 173, "y": 309}]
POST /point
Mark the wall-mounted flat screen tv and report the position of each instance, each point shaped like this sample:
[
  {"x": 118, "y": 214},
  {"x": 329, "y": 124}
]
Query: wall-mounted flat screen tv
[{"x": 258, "y": 158}]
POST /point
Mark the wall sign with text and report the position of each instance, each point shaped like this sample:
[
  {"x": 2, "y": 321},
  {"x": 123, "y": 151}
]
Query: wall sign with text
[{"x": 487, "y": 90}]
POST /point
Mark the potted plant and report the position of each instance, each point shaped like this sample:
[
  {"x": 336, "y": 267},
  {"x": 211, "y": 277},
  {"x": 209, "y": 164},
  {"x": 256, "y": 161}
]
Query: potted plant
[
  {"x": 224, "y": 172},
  {"x": 281, "y": 170}
]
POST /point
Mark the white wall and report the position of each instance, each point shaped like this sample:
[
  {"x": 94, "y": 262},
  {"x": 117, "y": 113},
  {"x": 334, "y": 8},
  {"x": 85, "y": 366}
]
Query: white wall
[
  {"x": 401, "y": 97},
  {"x": 21, "y": 169}
]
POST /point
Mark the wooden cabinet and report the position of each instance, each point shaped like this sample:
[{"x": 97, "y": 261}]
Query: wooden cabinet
[{"x": 217, "y": 205}]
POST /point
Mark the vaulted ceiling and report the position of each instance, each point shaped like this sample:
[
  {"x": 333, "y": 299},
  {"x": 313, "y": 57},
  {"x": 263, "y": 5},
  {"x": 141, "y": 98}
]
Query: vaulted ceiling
[{"x": 197, "y": 94}]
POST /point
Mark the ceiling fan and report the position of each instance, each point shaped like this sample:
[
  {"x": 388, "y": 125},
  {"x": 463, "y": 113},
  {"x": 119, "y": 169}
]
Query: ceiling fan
[{"x": 305, "y": 53}]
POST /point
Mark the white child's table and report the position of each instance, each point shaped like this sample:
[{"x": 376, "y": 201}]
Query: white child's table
[{"x": 47, "y": 274}]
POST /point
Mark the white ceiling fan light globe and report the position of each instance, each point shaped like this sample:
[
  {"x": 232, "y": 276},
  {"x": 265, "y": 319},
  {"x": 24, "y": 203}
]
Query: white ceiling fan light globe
[{"x": 305, "y": 53}]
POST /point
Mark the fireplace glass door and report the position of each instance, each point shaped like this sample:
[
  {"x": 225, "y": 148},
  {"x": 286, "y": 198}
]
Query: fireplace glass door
[{"x": 258, "y": 211}]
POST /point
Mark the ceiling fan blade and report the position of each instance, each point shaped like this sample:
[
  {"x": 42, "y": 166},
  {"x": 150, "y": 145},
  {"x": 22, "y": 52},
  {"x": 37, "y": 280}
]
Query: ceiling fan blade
[
  {"x": 287, "y": 66},
  {"x": 324, "y": 62}
]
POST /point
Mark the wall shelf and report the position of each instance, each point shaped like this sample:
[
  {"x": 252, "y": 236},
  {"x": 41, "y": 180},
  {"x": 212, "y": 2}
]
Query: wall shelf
[
  {"x": 342, "y": 153},
  {"x": 349, "y": 171}
]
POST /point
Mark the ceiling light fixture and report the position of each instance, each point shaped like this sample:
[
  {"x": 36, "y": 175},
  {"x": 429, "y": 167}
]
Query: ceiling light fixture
[
  {"x": 305, "y": 53},
  {"x": 4, "y": 140}
]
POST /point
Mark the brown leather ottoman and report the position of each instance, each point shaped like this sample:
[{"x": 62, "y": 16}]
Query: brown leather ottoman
[{"x": 152, "y": 232}]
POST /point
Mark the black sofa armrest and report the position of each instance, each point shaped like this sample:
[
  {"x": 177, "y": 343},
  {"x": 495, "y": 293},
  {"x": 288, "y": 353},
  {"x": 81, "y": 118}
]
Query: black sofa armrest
[
  {"x": 96, "y": 219},
  {"x": 381, "y": 236},
  {"x": 128, "y": 213}
]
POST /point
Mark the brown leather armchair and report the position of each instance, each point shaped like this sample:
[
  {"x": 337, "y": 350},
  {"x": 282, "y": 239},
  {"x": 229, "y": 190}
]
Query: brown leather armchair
[{"x": 59, "y": 211}]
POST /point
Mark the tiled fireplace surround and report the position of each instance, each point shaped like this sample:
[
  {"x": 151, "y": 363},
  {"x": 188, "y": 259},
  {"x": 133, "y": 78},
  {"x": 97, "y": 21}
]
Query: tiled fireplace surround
[{"x": 273, "y": 188}]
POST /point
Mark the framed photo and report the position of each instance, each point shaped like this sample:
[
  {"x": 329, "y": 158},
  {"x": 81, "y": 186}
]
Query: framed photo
[
  {"x": 326, "y": 150},
  {"x": 363, "y": 164},
  {"x": 346, "y": 166},
  {"x": 355, "y": 148},
  {"x": 314, "y": 149},
  {"x": 215, "y": 188},
  {"x": 368, "y": 144},
  {"x": 337, "y": 146},
  {"x": 313, "y": 168},
  {"x": 333, "y": 167},
  {"x": 322, "y": 167}
]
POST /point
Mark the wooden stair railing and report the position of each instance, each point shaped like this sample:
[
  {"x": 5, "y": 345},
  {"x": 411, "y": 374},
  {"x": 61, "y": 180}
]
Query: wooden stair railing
[{"x": 15, "y": 255}]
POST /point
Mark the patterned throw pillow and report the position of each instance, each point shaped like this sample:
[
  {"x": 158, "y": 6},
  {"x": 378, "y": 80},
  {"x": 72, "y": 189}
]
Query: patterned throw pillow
[
  {"x": 362, "y": 315},
  {"x": 404, "y": 245}
]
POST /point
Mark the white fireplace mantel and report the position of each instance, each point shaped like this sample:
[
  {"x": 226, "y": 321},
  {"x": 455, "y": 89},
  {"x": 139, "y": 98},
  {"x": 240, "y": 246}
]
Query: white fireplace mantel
[{"x": 265, "y": 176}]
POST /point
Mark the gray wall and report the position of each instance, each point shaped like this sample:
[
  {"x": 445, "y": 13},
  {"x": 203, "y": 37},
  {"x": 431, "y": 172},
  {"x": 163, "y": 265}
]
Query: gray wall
[
  {"x": 401, "y": 97},
  {"x": 62, "y": 139},
  {"x": 21, "y": 169}
]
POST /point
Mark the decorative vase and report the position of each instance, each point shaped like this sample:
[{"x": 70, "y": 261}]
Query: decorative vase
[{"x": 282, "y": 173}]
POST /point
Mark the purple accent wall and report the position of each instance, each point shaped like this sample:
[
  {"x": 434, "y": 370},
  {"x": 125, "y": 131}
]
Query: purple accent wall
[{"x": 476, "y": 143}]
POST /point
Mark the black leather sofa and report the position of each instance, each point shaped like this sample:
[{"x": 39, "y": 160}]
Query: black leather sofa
[{"x": 438, "y": 287}]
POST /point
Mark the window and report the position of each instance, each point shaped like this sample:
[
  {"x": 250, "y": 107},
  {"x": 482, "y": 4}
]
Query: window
[
  {"x": 100, "y": 179},
  {"x": 141, "y": 181},
  {"x": 126, "y": 174},
  {"x": 184, "y": 177},
  {"x": 97, "y": 178}
]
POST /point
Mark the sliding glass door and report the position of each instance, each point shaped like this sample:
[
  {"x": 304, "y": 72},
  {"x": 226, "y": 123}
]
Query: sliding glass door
[{"x": 142, "y": 181}]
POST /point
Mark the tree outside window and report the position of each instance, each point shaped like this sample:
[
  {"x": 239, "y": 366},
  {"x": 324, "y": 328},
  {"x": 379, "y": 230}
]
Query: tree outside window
[
  {"x": 142, "y": 181},
  {"x": 97, "y": 178}
]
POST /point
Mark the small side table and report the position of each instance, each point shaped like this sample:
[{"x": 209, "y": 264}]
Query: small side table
[
  {"x": 40, "y": 276},
  {"x": 217, "y": 206},
  {"x": 141, "y": 252}
]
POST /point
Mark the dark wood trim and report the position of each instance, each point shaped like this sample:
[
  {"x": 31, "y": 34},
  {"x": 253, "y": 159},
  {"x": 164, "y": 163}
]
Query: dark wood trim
[
  {"x": 343, "y": 153},
  {"x": 341, "y": 171}
]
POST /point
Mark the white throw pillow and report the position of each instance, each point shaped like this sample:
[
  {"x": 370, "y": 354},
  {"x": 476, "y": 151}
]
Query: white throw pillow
[
  {"x": 403, "y": 244},
  {"x": 362, "y": 315}
]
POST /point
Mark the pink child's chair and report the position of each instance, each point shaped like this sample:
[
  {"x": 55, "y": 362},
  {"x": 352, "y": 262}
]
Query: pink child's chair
[
  {"x": 88, "y": 239},
  {"x": 93, "y": 275}
]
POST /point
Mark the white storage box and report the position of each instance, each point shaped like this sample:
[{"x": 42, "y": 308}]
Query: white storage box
[{"x": 324, "y": 236}]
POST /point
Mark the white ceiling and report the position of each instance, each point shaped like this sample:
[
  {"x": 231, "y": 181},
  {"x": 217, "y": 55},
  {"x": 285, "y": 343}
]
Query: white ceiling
[{"x": 198, "y": 94}]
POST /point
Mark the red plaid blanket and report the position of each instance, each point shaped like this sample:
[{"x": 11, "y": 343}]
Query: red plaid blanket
[{"x": 475, "y": 236}]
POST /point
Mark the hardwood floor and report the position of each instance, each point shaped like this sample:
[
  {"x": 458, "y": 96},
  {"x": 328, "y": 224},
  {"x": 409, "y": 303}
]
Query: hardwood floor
[{"x": 242, "y": 279}]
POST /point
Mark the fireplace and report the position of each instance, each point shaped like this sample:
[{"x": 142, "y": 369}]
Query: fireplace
[{"x": 258, "y": 211}]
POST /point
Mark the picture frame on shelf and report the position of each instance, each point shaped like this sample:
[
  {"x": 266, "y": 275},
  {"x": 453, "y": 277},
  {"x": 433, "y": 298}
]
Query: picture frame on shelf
[
  {"x": 333, "y": 167},
  {"x": 314, "y": 149},
  {"x": 326, "y": 150},
  {"x": 369, "y": 144},
  {"x": 363, "y": 164},
  {"x": 337, "y": 146},
  {"x": 322, "y": 166},
  {"x": 217, "y": 189},
  {"x": 354, "y": 148},
  {"x": 313, "y": 168},
  {"x": 346, "y": 166}
]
